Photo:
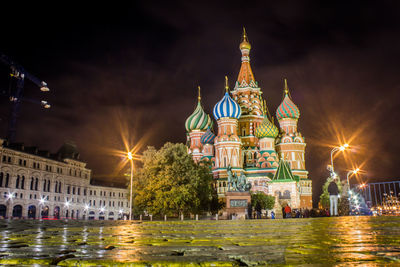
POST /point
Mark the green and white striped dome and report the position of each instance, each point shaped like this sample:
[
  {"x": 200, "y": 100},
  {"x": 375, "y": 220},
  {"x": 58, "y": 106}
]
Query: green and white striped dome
[{"x": 199, "y": 120}]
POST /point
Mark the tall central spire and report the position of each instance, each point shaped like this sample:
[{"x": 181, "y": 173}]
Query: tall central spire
[{"x": 246, "y": 76}]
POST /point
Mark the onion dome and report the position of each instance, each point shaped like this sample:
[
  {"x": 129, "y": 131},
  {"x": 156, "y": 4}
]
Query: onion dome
[
  {"x": 227, "y": 107},
  {"x": 245, "y": 43},
  {"x": 199, "y": 120},
  {"x": 287, "y": 109},
  {"x": 266, "y": 129},
  {"x": 208, "y": 137}
]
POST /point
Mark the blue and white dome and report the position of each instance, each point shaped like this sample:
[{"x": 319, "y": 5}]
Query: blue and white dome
[{"x": 227, "y": 108}]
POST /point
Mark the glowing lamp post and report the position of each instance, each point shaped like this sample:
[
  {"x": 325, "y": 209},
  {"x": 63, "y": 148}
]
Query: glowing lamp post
[
  {"x": 335, "y": 149},
  {"x": 351, "y": 173},
  {"x": 130, "y": 157}
]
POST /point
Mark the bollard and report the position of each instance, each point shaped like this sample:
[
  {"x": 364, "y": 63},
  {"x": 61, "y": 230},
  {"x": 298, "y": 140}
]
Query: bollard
[
  {"x": 165, "y": 217},
  {"x": 216, "y": 217},
  {"x": 181, "y": 217},
  {"x": 141, "y": 218},
  {"x": 151, "y": 217},
  {"x": 197, "y": 217}
]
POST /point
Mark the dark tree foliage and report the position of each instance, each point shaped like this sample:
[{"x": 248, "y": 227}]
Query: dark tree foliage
[
  {"x": 171, "y": 183},
  {"x": 260, "y": 201}
]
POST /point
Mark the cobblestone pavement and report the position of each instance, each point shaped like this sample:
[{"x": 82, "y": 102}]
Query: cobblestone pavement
[{"x": 327, "y": 241}]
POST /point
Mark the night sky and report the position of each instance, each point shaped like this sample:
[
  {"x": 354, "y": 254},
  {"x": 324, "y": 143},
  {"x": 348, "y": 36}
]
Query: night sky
[{"x": 136, "y": 68}]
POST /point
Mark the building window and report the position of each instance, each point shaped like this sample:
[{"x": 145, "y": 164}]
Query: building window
[
  {"x": 23, "y": 182},
  {"x": 56, "y": 187},
  {"x": 36, "y": 184},
  {"x": 94, "y": 202},
  {"x": 73, "y": 190},
  {"x": 7, "y": 180},
  {"x": 17, "y": 182},
  {"x": 24, "y": 162},
  {"x": 44, "y": 185},
  {"x": 31, "y": 184},
  {"x": 79, "y": 191},
  {"x": 84, "y": 191},
  {"x": 20, "y": 161},
  {"x": 48, "y": 186},
  {"x": 4, "y": 158},
  {"x": 90, "y": 192},
  {"x": 59, "y": 187},
  {"x": 1, "y": 179},
  {"x": 9, "y": 159},
  {"x": 68, "y": 189}
]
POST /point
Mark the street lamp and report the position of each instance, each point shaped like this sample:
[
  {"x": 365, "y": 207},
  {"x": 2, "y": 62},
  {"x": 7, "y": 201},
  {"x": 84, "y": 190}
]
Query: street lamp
[
  {"x": 130, "y": 157},
  {"x": 335, "y": 149},
  {"x": 351, "y": 173}
]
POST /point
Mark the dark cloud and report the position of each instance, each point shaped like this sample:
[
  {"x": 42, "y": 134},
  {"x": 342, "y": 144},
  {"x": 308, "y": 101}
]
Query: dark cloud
[{"x": 138, "y": 65}]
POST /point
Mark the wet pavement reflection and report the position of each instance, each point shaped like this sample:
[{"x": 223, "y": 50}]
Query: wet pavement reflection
[{"x": 339, "y": 240}]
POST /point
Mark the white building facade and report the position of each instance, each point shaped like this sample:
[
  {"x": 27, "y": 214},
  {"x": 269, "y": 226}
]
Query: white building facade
[{"x": 36, "y": 184}]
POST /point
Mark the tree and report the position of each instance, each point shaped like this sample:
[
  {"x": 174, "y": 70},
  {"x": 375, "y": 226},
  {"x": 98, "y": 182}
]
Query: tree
[
  {"x": 171, "y": 183},
  {"x": 260, "y": 201}
]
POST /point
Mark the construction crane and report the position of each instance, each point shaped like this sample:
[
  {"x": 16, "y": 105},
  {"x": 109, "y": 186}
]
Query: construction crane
[{"x": 20, "y": 74}]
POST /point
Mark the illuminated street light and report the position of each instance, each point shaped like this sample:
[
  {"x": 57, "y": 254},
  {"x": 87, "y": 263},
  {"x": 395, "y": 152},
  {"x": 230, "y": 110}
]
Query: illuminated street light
[
  {"x": 86, "y": 207},
  {"x": 42, "y": 200},
  {"x": 351, "y": 173},
  {"x": 102, "y": 209},
  {"x": 66, "y": 204},
  {"x": 130, "y": 157},
  {"x": 10, "y": 196},
  {"x": 335, "y": 149}
]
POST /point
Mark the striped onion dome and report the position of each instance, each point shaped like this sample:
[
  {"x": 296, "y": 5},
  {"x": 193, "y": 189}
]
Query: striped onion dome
[
  {"x": 199, "y": 120},
  {"x": 227, "y": 108},
  {"x": 208, "y": 137},
  {"x": 287, "y": 109},
  {"x": 266, "y": 129}
]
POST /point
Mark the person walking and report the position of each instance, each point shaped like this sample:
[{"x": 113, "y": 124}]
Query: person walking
[{"x": 333, "y": 197}]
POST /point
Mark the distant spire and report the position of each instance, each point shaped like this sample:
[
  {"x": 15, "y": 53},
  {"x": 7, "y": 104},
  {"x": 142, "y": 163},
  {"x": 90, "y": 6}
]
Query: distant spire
[
  {"x": 226, "y": 84},
  {"x": 286, "y": 89},
  {"x": 199, "y": 96},
  {"x": 244, "y": 35}
]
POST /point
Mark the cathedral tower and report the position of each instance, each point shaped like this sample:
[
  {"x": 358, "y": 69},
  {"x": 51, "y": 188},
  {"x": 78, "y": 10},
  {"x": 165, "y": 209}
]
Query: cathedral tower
[
  {"x": 266, "y": 133},
  {"x": 248, "y": 95},
  {"x": 290, "y": 144},
  {"x": 227, "y": 143},
  {"x": 196, "y": 125}
]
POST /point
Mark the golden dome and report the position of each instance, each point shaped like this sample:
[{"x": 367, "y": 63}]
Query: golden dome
[{"x": 245, "y": 43}]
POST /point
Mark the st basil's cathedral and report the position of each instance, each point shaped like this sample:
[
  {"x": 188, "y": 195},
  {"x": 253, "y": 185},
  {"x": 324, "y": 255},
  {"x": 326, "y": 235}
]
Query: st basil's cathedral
[{"x": 248, "y": 140}]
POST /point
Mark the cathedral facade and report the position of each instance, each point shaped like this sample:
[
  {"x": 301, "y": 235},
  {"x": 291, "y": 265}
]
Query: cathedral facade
[{"x": 247, "y": 139}]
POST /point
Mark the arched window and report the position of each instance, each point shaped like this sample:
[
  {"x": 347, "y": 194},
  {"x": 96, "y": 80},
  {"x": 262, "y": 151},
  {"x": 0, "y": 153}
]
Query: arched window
[
  {"x": 69, "y": 189},
  {"x": 23, "y": 182},
  {"x": 17, "y": 182},
  {"x": 31, "y": 183},
  {"x": 36, "y": 183},
  {"x": 56, "y": 187},
  {"x": 59, "y": 187},
  {"x": 7, "y": 180},
  {"x": 1, "y": 179},
  {"x": 44, "y": 185},
  {"x": 48, "y": 186}
]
